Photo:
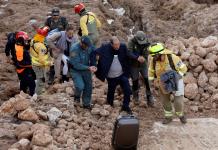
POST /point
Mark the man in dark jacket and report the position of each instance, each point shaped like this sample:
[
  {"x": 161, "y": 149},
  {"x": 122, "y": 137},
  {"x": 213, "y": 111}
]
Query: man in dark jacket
[
  {"x": 138, "y": 53},
  {"x": 56, "y": 21},
  {"x": 113, "y": 66}
]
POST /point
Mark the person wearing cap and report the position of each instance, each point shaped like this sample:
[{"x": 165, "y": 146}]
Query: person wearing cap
[
  {"x": 164, "y": 60},
  {"x": 113, "y": 65},
  {"x": 138, "y": 54},
  {"x": 41, "y": 59},
  {"x": 56, "y": 21},
  {"x": 89, "y": 23},
  {"x": 82, "y": 66},
  {"x": 60, "y": 43}
]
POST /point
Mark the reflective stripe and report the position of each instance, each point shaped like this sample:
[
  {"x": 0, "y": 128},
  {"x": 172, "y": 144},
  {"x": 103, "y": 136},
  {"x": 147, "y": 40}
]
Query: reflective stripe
[
  {"x": 150, "y": 78},
  {"x": 179, "y": 114},
  {"x": 168, "y": 113},
  {"x": 20, "y": 70}
]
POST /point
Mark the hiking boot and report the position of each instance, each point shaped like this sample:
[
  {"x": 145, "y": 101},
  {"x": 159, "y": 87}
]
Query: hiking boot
[
  {"x": 183, "y": 120},
  {"x": 65, "y": 78},
  {"x": 77, "y": 100},
  {"x": 167, "y": 120},
  {"x": 89, "y": 107},
  {"x": 150, "y": 101},
  {"x": 127, "y": 109},
  {"x": 110, "y": 103}
]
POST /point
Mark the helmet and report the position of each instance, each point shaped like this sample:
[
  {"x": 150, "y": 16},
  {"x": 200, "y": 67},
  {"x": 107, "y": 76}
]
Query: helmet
[
  {"x": 79, "y": 7},
  {"x": 43, "y": 31},
  {"x": 22, "y": 34},
  {"x": 141, "y": 37},
  {"x": 156, "y": 48}
]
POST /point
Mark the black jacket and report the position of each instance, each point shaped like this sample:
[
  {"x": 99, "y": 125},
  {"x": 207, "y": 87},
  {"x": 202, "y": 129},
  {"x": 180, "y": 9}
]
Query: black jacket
[
  {"x": 10, "y": 46},
  {"x": 106, "y": 56}
]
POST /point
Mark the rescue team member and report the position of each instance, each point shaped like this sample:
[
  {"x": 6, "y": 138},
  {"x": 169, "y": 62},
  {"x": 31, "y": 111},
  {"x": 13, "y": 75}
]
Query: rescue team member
[
  {"x": 41, "y": 59},
  {"x": 138, "y": 51},
  {"x": 23, "y": 63},
  {"x": 89, "y": 23},
  {"x": 163, "y": 60},
  {"x": 83, "y": 65}
]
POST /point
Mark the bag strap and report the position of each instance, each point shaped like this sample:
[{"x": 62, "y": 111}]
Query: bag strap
[
  {"x": 169, "y": 56},
  {"x": 154, "y": 67},
  {"x": 172, "y": 65}
]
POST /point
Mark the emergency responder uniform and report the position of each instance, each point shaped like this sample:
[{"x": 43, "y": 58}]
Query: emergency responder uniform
[
  {"x": 156, "y": 69},
  {"x": 89, "y": 23},
  {"x": 80, "y": 60},
  {"x": 137, "y": 47}
]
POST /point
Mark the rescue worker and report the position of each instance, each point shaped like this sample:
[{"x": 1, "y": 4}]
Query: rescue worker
[
  {"x": 113, "y": 65},
  {"x": 83, "y": 65},
  {"x": 56, "y": 21},
  {"x": 138, "y": 53},
  {"x": 23, "y": 63},
  {"x": 41, "y": 59},
  {"x": 60, "y": 43},
  {"x": 89, "y": 23},
  {"x": 164, "y": 60}
]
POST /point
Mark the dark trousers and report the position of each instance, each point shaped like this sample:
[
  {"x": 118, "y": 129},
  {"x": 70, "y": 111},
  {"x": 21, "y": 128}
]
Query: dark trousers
[
  {"x": 124, "y": 83},
  {"x": 27, "y": 81}
]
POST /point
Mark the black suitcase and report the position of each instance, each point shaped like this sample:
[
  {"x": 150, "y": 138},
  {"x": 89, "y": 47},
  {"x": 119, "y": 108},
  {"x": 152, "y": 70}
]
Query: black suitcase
[{"x": 125, "y": 133}]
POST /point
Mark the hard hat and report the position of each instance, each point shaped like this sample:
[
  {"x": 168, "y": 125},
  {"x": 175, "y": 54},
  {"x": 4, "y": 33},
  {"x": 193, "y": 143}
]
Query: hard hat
[
  {"x": 156, "y": 48},
  {"x": 22, "y": 34},
  {"x": 78, "y": 8},
  {"x": 43, "y": 31}
]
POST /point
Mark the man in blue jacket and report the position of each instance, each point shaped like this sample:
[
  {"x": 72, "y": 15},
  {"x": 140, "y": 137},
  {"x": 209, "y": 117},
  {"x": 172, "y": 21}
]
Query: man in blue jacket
[
  {"x": 113, "y": 66},
  {"x": 83, "y": 65}
]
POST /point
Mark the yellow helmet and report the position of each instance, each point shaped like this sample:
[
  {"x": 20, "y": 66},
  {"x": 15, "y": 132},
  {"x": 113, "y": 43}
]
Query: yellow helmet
[{"x": 156, "y": 48}]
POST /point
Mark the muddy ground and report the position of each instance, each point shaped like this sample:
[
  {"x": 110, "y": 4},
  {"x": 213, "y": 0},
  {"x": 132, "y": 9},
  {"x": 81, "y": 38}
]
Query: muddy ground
[{"x": 161, "y": 20}]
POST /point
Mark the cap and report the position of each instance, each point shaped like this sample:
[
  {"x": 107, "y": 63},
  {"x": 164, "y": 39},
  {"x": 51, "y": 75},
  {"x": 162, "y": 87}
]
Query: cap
[
  {"x": 141, "y": 37},
  {"x": 55, "y": 11},
  {"x": 85, "y": 40}
]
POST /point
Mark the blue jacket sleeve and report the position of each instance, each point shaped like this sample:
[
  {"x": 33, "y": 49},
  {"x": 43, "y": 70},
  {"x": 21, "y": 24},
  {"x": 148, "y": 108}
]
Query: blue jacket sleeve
[{"x": 75, "y": 61}]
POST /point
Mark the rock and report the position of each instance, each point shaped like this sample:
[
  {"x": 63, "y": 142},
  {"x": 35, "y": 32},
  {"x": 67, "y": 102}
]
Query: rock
[
  {"x": 211, "y": 56},
  {"x": 21, "y": 104},
  {"x": 117, "y": 103},
  {"x": 185, "y": 55},
  {"x": 104, "y": 113},
  {"x": 189, "y": 78},
  {"x": 201, "y": 52},
  {"x": 25, "y": 144},
  {"x": 194, "y": 108},
  {"x": 191, "y": 90},
  {"x": 41, "y": 139},
  {"x": 28, "y": 115},
  {"x": 66, "y": 114},
  {"x": 214, "y": 81},
  {"x": 198, "y": 69},
  {"x": 209, "y": 65},
  {"x": 194, "y": 60},
  {"x": 95, "y": 111},
  {"x": 202, "y": 79},
  {"x": 53, "y": 114},
  {"x": 42, "y": 115},
  {"x": 69, "y": 91},
  {"x": 7, "y": 108},
  {"x": 215, "y": 98},
  {"x": 209, "y": 41},
  {"x": 23, "y": 131},
  {"x": 40, "y": 128}
]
